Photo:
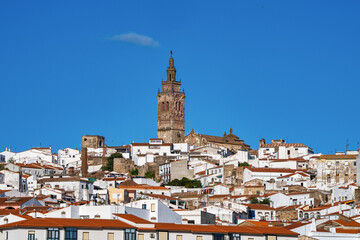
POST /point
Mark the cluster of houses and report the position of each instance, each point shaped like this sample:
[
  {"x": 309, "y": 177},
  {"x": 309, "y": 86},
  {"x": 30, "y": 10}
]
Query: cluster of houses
[{"x": 219, "y": 189}]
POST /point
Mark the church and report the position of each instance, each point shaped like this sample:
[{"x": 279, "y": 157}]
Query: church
[{"x": 171, "y": 117}]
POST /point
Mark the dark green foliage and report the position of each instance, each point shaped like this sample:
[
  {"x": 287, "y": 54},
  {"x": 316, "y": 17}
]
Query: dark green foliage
[
  {"x": 243, "y": 164},
  {"x": 110, "y": 162},
  {"x": 265, "y": 201},
  {"x": 134, "y": 172},
  {"x": 254, "y": 200},
  {"x": 150, "y": 174},
  {"x": 185, "y": 182}
]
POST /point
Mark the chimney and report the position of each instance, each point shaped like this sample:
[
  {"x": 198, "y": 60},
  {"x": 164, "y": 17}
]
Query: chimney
[
  {"x": 261, "y": 142},
  {"x": 84, "y": 162}
]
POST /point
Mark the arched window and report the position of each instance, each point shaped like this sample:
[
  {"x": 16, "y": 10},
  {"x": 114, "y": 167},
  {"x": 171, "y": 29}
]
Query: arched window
[
  {"x": 167, "y": 106},
  {"x": 162, "y": 106}
]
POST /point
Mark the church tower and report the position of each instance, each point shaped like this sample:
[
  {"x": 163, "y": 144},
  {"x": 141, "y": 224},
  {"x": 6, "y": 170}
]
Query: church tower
[{"x": 171, "y": 108}]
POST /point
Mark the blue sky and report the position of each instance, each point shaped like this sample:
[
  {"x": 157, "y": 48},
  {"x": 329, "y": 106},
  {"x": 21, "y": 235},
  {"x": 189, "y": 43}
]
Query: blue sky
[{"x": 268, "y": 69}]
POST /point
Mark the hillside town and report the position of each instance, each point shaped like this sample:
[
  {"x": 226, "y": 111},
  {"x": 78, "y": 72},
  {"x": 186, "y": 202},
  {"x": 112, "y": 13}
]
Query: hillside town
[{"x": 179, "y": 186}]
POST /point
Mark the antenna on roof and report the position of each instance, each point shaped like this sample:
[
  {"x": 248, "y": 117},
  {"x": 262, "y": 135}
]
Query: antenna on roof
[{"x": 347, "y": 145}]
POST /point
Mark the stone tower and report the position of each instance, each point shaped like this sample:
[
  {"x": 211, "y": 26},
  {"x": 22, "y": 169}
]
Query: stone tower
[{"x": 171, "y": 108}]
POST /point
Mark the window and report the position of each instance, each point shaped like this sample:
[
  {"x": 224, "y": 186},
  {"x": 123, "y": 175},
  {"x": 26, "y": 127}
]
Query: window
[
  {"x": 144, "y": 206},
  {"x": 130, "y": 234},
  {"x": 218, "y": 236},
  {"x": 163, "y": 235},
  {"x": 85, "y": 236},
  {"x": 70, "y": 233},
  {"x": 153, "y": 207},
  {"x": 235, "y": 236},
  {"x": 53, "y": 234},
  {"x": 110, "y": 236},
  {"x": 141, "y": 237},
  {"x": 31, "y": 235},
  {"x": 198, "y": 237},
  {"x": 271, "y": 237},
  {"x": 250, "y": 238},
  {"x": 178, "y": 237}
]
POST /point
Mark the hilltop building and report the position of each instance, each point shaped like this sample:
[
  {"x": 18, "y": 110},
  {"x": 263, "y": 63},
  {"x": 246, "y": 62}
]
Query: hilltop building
[{"x": 171, "y": 108}]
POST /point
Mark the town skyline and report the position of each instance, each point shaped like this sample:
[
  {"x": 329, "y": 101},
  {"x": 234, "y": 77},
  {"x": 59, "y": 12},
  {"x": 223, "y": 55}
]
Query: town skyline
[{"x": 265, "y": 79}]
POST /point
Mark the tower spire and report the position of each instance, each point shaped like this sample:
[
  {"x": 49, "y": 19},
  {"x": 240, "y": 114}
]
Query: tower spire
[{"x": 171, "y": 71}]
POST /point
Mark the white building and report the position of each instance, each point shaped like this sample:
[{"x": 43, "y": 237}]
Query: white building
[
  {"x": 143, "y": 153},
  {"x": 282, "y": 150},
  {"x": 68, "y": 155},
  {"x": 80, "y": 189}
]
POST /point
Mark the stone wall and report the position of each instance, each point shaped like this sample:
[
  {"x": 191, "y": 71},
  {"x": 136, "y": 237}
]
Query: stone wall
[{"x": 122, "y": 165}]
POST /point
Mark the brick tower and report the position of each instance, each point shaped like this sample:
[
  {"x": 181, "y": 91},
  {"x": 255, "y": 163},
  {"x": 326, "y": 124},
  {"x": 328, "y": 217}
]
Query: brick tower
[{"x": 171, "y": 108}]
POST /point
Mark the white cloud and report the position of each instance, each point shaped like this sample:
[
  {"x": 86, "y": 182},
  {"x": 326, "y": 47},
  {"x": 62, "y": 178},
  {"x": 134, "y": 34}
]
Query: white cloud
[{"x": 135, "y": 38}]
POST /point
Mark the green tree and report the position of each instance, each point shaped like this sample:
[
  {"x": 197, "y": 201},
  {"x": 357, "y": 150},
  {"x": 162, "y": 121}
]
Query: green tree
[
  {"x": 254, "y": 200},
  {"x": 186, "y": 183},
  {"x": 265, "y": 201},
  {"x": 150, "y": 174},
  {"x": 243, "y": 164},
  {"x": 110, "y": 162},
  {"x": 134, "y": 171}
]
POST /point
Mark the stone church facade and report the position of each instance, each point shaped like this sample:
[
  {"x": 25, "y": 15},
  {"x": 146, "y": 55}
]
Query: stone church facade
[
  {"x": 171, "y": 108},
  {"x": 230, "y": 141}
]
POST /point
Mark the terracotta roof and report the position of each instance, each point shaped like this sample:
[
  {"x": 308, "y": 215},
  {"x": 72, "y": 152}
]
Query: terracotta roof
[
  {"x": 160, "y": 196},
  {"x": 292, "y": 174},
  {"x": 37, "y": 208},
  {"x": 63, "y": 179},
  {"x": 334, "y": 156},
  {"x": 295, "y": 225},
  {"x": 117, "y": 224},
  {"x": 4, "y": 212},
  {"x": 68, "y": 222},
  {"x": 14, "y": 201},
  {"x": 349, "y": 231},
  {"x": 258, "y": 223},
  {"x": 219, "y": 196},
  {"x": 114, "y": 179},
  {"x": 280, "y": 170},
  {"x": 133, "y": 218},
  {"x": 259, "y": 206},
  {"x": 348, "y": 223},
  {"x": 148, "y": 144},
  {"x": 143, "y": 187},
  {"x": 230, "y": 139},
  {"x": 128, "y": 183},
  {"x": 273, "y": 145}
]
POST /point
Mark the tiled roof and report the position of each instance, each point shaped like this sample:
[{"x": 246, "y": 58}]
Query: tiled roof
[
  {"x": 219, "y": 196},
  {"x": 337, "y": 156},
  {"x": 14, "y": 201},
  {"x": 63, "y": 179},
  {"x": 161, "y": 197},
  {"x": 133, "y": 218},
  {"x": 296, "y": 225},
  {"x": 117, "y": 224},
  {"x": 348, "y": 223},
  {"x": 348, "y": 231},
  {"x": 292, "y": 174},
  {"x": 273, "y": 145},
  {"x": 148, "y": 144},
  {"x": 280, "y": 170},
  {"x": 143, "y": 187},
  {"x": 259, "y": 206},
  {"x": 68, "y": 222}
]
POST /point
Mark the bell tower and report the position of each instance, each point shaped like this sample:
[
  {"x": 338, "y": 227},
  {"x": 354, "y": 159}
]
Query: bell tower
[{"x": 171, "y": 107}]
